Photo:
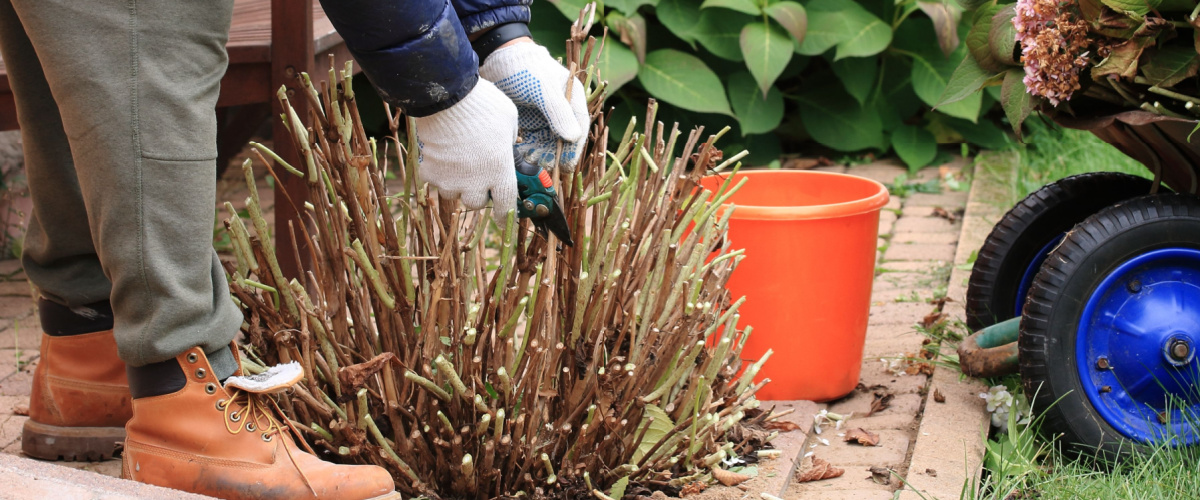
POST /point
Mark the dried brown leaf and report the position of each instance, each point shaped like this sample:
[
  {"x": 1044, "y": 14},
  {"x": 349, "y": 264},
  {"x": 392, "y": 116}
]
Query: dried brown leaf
[
  {"x": 945, "y": 170},
  {"x": 806, "y": 163},
  {"x": 945, "y": 214},
  {"x": 919, "y": 369},
  {"x": 632, "y": 32},
  {"x": 783, "y": 426},
  {"x": 820, "y": 470},
  {"x": 862, "y": 436},
  {"x": 715, "y": 155},
  {"x": 693, "y": 488},
  {"x": 881, "y": 402},
  {"x": 932, "y": 318},
  {"x": 1123, "y": 58},
  {"x": 938, "y": 396},
  {"x": 945, "y": 23},
  {"x": 881, "y": 475},
  {"x": 728, "y": 478},
  {"x": 354, "y": 376}
]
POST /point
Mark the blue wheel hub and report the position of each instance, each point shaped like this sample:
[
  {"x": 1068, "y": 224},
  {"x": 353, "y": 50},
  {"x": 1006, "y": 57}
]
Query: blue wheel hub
[
  {"x": 1136, "y": 347},
  {"x": 1031, "y": 272}
]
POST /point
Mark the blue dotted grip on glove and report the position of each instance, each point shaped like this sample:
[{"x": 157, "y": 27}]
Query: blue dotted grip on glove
[{"x": 539, "y": 141}]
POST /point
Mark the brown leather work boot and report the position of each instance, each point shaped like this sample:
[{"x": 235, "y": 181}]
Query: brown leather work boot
[
  {"x": 80, "y": 400},
  {"x": 225, "y": 440}
]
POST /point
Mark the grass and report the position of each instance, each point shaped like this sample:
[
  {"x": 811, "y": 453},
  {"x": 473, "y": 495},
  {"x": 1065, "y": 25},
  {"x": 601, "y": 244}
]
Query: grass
[
  {"x": 903, "y": 186},
  {"x": 1022, "y": 464},
  {"x": 1051, "y": 153},
  {"x": 1165, "y": 473}
]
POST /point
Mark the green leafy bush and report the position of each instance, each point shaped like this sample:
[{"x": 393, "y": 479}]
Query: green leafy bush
[{"x": 852, "y": 75}]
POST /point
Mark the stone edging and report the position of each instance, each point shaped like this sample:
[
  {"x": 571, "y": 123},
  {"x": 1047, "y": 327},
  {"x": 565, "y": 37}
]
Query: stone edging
[
  {"x": 27, "y": 478},
  {"x": 947, "y": 457}
]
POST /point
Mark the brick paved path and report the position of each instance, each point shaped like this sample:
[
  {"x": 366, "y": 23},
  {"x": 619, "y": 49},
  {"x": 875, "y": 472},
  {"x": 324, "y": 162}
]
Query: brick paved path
[{"x": 918, "y": 250}]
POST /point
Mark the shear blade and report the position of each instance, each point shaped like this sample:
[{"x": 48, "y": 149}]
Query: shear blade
[{"x": 556, "y": 222}]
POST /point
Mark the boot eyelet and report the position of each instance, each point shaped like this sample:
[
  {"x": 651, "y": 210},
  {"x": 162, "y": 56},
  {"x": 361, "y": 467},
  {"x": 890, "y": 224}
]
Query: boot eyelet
[
  {"x": 200, "y": 373},
  {"x": 221, "y": 404},
  {"x": 210, "y": 388},
  {"x": 235, "y": 417},
  {"x": 266, "y": 437},
  {"x": 191, "y": 357},
  {"x": 250, "y": 426}
]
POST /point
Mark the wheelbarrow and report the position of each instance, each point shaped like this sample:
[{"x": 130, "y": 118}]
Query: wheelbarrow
[{"x": 1090, "y": 288}]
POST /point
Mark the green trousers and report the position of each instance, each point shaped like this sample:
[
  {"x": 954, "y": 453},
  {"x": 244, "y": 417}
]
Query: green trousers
[{"x": 115, "y": 100}]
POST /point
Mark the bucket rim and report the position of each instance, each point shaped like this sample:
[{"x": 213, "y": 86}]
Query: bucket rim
[{"x": 871, "y": 203}]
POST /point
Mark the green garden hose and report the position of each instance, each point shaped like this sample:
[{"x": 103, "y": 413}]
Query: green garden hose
[{"x": 992, "y": 351}]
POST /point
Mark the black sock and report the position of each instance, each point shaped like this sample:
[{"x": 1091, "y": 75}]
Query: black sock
[
  {"x": 60, "y": 321},
  {"x": 223, "y": 363},
  {"x": 165, "y": 377},
  {"x": 155, "y": 379}
]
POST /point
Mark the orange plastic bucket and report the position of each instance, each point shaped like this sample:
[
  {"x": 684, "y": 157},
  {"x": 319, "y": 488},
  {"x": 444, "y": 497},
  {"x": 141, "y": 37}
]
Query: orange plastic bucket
[{"x": 810, "y": 240}]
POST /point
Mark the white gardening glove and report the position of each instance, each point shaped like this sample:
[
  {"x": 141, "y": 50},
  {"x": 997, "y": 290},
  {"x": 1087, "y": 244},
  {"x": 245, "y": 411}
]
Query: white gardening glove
[
  {"x": 537, "y": 84},
  {"x": 466, "y": 150}
]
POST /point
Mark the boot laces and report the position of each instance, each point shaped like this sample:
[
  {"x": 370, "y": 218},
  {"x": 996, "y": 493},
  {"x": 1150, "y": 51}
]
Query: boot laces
[{"x": 266, "y": 416}]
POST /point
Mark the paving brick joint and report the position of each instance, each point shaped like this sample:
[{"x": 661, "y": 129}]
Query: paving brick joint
[{"x": 918, "y": 250}]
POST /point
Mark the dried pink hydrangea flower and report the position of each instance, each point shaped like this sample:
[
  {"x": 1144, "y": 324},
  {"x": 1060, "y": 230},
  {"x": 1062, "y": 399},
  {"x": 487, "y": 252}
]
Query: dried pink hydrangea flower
[
  {"x": 1053, "y": 47},
  {"x": 1032, "y": 16}
]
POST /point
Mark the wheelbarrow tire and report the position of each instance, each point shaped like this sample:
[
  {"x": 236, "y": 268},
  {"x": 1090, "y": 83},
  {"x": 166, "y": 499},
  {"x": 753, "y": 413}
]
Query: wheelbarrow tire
[
  {"x": 1010, "y": 255},
  {"x": 1054, "y": 314}
]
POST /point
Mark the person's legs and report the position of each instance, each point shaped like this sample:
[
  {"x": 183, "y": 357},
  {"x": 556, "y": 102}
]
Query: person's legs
[
  {"x": 136, "y": 83},
  {"x": 58, "y": 253},
  {"x": 80, "y": 398}
]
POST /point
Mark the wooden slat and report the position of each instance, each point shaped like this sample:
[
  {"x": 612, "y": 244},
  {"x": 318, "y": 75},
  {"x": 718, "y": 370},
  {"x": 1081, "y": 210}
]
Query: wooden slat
[
  {"x": 246, "y": 84},
  {"x": 248, "y": 79},
  {"x": 324, "y": 36},
  {"x": 250, "y": 35}
]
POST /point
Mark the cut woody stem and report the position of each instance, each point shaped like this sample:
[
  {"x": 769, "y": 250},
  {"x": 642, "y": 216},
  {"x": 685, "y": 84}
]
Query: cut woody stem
[{"x": 474, "y": 361}]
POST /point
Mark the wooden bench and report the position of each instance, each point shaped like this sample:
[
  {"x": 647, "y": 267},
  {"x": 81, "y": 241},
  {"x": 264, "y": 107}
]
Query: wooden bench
[{"x": 270, "y": 43}]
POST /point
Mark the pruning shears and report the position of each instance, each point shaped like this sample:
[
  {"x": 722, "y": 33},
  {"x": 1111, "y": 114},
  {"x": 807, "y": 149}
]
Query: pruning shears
[{"x": 539, "y": 201}]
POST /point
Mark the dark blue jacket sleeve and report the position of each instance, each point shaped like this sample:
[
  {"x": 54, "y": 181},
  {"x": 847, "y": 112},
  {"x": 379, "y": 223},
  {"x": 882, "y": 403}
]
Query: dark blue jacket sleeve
[
  {"x": 415, "y": 52},
  {"x": 477, "y": 15}
]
